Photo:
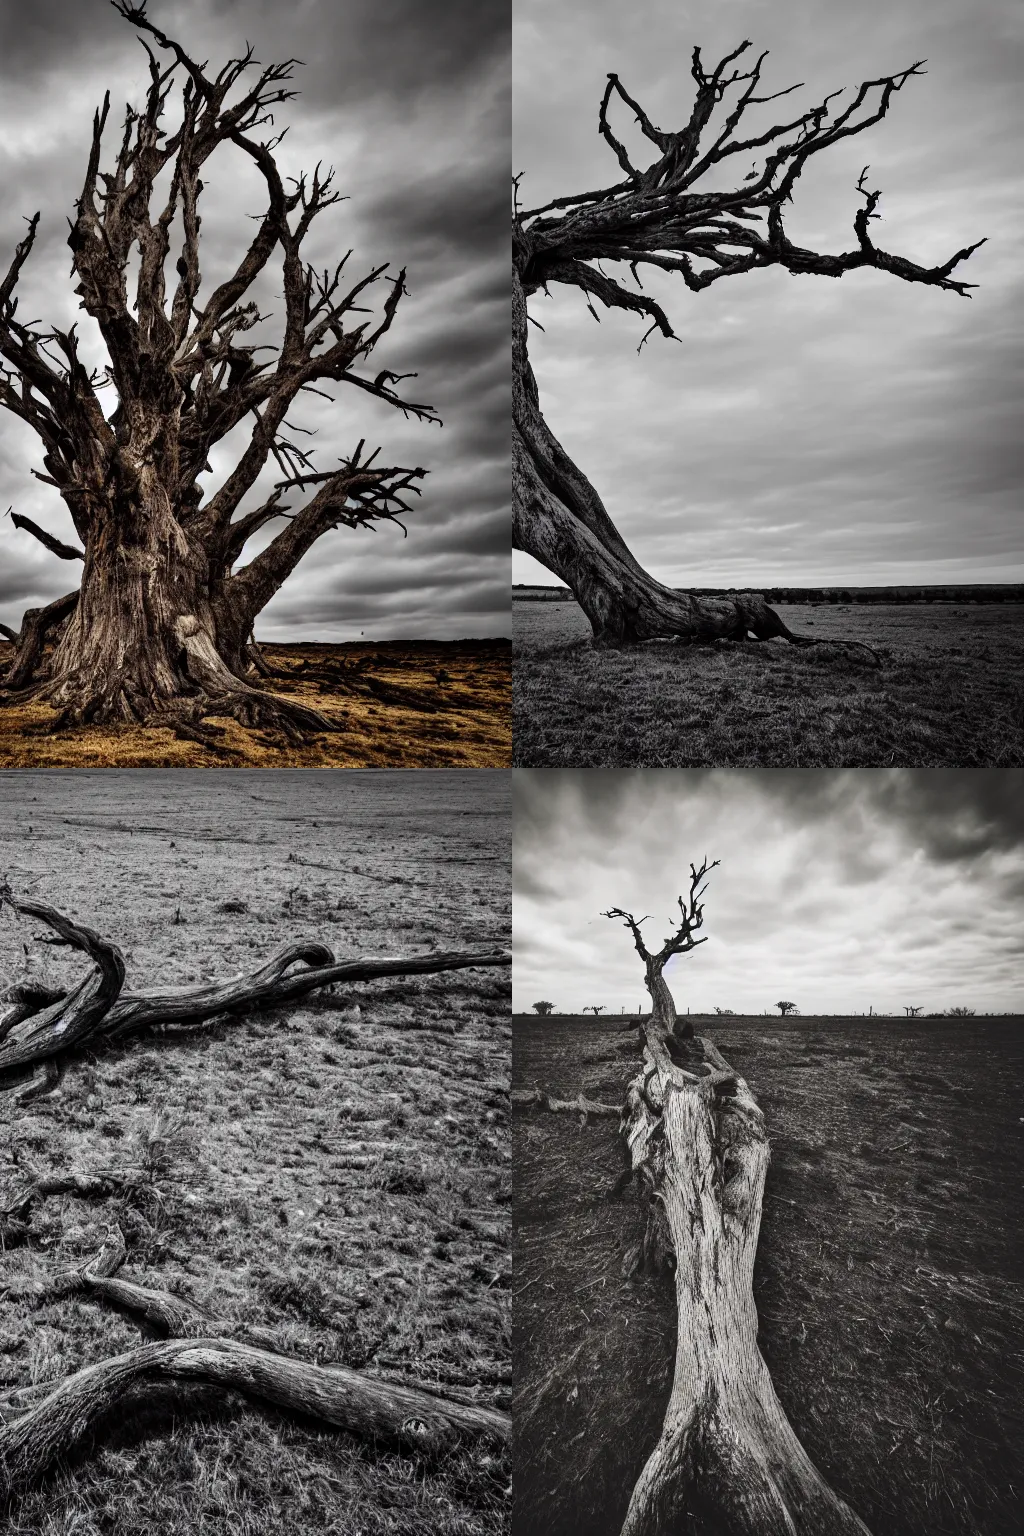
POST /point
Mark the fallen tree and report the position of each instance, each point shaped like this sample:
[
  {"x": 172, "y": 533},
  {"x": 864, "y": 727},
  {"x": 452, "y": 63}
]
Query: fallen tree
[
  {"x": 667, "y": 216},
  {"x": 40, "y": 1424},
  {"x": 41, "y": 1026},
  {"x": 160, "y": 628},
  {"x": 697, "y": 1153}
]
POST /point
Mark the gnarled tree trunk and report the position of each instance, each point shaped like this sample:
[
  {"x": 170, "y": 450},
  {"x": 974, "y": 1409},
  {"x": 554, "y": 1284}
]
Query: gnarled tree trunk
[
  {"x": 561, "y": 521},
  {"x": 161, "y": 625}
]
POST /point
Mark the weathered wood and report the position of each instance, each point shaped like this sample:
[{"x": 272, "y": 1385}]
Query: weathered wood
[
  {"x": 45, "y": 1424},
  {"x": 163, "y": 620},
  {"x": 99, "y": 1009},
  {"x": 697, "y": 1148}
]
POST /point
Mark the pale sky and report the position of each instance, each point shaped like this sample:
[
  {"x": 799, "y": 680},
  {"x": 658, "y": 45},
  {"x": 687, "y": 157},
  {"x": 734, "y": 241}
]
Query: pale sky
[
  {"x": 802, "y": 430},
  {"x": 409, "y": 102},
  {"x": 838, "y": 891}
]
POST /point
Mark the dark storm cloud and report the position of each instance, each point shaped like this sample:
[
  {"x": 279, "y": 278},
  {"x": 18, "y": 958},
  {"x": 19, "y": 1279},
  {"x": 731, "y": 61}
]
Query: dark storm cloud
[
  {"x": 409, "y": 101},
  {"x": 843, "y": 890},
  {"x": 856, "y": 431}
]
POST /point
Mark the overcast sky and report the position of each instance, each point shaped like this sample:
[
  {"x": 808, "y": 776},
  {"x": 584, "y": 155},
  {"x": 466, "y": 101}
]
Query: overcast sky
[
  {"x": 838, "y": 891},
  {"x": 409, "y": 101},
  {"x": 805, "y": 429}
]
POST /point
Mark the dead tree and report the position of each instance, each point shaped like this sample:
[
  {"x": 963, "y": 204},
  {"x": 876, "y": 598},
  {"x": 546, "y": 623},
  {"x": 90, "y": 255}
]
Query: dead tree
[
  {"x": 671, "y": 215},
  {"x": 41, "y": 1027},
  {"x": 698, "y": 1151},
  {"x": 160, "y": 626},
  {"x": 912, "y": 1013}
]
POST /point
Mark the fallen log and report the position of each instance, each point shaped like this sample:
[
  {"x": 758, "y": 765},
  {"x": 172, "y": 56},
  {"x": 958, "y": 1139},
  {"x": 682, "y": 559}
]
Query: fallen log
[
  {"x": 727, "y": 1460},
  {"x": 99, "y": 1008},
  {"x": 43, "y": 1427}
]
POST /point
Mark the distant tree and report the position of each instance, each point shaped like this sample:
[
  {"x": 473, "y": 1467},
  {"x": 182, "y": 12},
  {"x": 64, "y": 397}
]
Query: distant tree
[
  {"x": 785, "y": 1008},
  {"x": 960, "y": 1013},
  {"x": 595, "y": 1010},
  {"x": 911, "y": 1013},
  {"x": 543, "y": 1009},
  {"x": 724, "y": 1010}
]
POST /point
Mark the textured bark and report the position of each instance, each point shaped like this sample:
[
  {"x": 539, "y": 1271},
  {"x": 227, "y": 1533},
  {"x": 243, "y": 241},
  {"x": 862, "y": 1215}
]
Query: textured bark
[
  {"x": 666, "y": 216},
  {"x": 46, "y": 1423},
  {"x": 697, "y": 1148},
  {"x": 98, "y": 1009},
  {"x": 161, "y": 626}
]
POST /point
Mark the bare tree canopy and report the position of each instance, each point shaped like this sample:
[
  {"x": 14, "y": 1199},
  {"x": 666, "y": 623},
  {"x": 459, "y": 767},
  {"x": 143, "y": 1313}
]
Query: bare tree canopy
[
  {"x": 161, "y": 624},
  {"x": 667, "y": 215}
]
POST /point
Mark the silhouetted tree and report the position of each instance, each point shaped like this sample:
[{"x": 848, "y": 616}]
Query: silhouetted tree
[
  {"x": 960, "y": 1013},
  {"x": 785, "y": 1008},
  {"x": 669, "y": 216},
  {"x": 543, "y": 1008}
]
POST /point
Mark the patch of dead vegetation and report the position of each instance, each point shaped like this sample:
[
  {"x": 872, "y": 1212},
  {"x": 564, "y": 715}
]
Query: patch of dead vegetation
[
  {"x": 411, "y": 704},
  {"x": 335, "y": 1173},
  {"x": 948, "y": 694}
]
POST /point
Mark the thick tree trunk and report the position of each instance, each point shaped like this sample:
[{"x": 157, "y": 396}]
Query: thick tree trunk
[
  {"x": 154, "y": 635},
  {"x": 727, "y": 1453},
  {"x": 560, "y": 520}
]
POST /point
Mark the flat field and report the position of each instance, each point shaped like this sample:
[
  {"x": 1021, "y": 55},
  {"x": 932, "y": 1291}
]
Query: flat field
[
  {"x": 887, "y": 1281},
  {"x": 336, "y": 1171},
  {"x": 950, "y": 693},
  {"x": 401, "y": 704}
]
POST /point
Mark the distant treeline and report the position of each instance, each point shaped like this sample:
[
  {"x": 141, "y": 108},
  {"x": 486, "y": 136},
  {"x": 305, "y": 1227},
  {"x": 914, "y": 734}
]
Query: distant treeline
[{"x": 982, "y": 592}]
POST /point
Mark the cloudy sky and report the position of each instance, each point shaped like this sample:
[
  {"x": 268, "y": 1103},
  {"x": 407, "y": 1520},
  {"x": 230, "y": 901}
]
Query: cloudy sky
[
  {"x": 409, "y": 101},
  {"x": 805, "y": 430},
  {"x": 838, "y": 891}
]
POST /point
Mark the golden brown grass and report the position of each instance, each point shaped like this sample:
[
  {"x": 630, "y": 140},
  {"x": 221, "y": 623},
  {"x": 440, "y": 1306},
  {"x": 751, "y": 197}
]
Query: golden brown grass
[
  {"x": 887, "y": 1281},
  {"x": 337, "y": 1171},
  {"x": 949, "y": 693},
  {"x": 465, "y": 686}
]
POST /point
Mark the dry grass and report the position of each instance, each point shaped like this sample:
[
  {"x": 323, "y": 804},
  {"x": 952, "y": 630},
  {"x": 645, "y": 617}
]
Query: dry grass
[
  {"x": 459, "y": 716},
  {"x": 337, "y": 1171},
  {"x": 949, "y": 693},
  {"x": 887, "y": 1280}
]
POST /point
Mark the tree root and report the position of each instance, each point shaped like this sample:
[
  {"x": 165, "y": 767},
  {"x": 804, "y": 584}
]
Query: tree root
[
  {"x": 45, "y": 1423},
  {"x": 99, "y": 1009}
]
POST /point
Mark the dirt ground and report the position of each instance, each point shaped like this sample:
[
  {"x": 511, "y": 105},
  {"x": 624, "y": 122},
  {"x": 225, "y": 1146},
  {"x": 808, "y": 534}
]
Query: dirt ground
[
  {"x": 949, "y": 693},
  {"x": 337, "y": 1171},
  {"x": 887, "y": 1281},
  {"x": 400, "y": 704}
]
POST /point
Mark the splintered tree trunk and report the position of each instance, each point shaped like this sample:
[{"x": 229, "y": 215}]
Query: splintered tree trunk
[
  {"x": 727, "y": 1455},
  {"x": 560, "y": 520}
]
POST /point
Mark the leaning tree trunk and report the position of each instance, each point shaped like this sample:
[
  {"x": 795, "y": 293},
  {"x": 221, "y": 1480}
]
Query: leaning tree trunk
[
  {"x": 727, "y": 1454},
  {"x": 561, "y": 521}
]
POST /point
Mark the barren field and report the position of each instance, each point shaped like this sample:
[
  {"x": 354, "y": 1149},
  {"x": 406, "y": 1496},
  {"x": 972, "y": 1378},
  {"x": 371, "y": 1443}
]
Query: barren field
[
  {"x": 887, "y": 1281},
  {"x": 334, "y": 1172},
  {"x": 403, "y": 704},
  {"x": 949, "y": 693}
]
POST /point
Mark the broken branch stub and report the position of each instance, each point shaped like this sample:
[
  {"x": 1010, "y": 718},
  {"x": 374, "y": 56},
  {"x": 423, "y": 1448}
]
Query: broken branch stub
[{"x": 697, "y": 1147}]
